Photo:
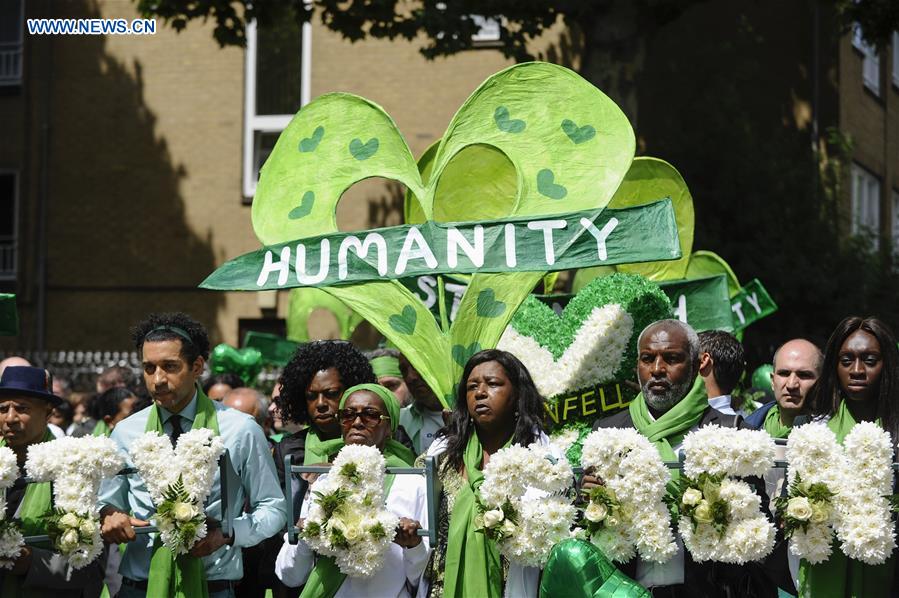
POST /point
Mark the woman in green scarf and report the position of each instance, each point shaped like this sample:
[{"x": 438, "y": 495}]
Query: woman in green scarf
[
  {"x": 859, "y": 382},
  {"x": 497, "y": 405},
  {"x": 368, "y": 415},
  {"x": 311, "y": 387}
]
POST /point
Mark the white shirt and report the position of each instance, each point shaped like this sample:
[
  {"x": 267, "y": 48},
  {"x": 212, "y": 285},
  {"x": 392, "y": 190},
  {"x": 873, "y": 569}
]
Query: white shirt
[
  {"x": 521, "y": 582},
  {"x": 407, "y": 498},
  {"x": 722, "y": 404}
]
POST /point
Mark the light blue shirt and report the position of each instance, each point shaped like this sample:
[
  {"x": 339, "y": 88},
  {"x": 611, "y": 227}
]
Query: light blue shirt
[
  {"x": 722, "y": 404},
  {"x": 252, "y": 461}
]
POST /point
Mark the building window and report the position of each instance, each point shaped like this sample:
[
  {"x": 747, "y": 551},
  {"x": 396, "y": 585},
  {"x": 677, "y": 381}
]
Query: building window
[
  {"x": 488, "y": 30},
  {"x": 870, "y": 61},
  {"x": 896, "y": 58},
  {"x": 865, "y": 203},
  {"x": 11, "y": 25},
  {"x": 9, "y": 199},
  {"x": 277, "y": 85}
]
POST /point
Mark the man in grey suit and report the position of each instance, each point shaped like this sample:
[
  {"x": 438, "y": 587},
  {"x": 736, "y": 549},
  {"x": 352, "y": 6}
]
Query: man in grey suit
[{"x": 26, "y": 400}]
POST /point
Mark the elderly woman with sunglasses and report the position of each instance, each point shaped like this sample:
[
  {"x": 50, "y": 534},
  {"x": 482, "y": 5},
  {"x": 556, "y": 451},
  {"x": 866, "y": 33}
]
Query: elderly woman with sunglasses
[{"x": 368, "y": 415}]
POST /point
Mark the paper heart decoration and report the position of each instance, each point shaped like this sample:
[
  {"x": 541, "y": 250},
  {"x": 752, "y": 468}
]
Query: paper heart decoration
[
  {"x": 339, "y": 139},
  {"x": 246, "y": 363},
  {"x": 593, "y": 341}
]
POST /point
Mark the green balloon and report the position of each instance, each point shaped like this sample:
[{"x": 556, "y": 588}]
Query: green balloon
[{"x": 761, "y": 377}]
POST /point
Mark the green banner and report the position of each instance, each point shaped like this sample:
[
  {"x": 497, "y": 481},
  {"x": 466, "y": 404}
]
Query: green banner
[
  {"x": 751, "y": 304},
  {"x": 703, "y": 303},
  {"x": 523, "y": 244}
]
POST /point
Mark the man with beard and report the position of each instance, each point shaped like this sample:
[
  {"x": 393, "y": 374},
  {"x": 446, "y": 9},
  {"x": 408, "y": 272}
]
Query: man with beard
[{"x": 672, "y": 402}]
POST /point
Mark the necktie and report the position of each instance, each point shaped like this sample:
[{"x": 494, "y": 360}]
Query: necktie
[{"x": 175, "y": 421}]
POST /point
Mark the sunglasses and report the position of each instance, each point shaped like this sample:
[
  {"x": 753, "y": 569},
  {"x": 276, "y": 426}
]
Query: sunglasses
[{"x": 370, "y": 417}]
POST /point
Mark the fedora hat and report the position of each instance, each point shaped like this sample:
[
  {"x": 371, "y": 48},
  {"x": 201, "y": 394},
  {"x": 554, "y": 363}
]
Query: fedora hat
[{"x": 22, "y": 381}]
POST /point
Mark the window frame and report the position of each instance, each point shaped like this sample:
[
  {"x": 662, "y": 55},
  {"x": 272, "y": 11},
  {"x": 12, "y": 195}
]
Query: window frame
[
  {"x": 16, "y": 50},
  {"x": 16, "y": 206},
  {"x": 267, "y": 123},
  {"x": 863, "y": 176}
]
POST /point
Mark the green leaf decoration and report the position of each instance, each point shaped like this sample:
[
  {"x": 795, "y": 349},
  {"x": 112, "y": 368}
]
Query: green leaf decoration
[
  {"x": 578, "y": 134},
  {"x": 404, "y": 323},
  {"x": 488, "y": 306},
  {"x": 485, "y": 165},
  {"x": 648, "y": 180},
  {"x": 506, "y": 124},
  {"x": 308, "y": 144},
  {"x": 462, "y": 354},
  {"x": 706, "y": 263},
  {"x": 304, "y": 302}
]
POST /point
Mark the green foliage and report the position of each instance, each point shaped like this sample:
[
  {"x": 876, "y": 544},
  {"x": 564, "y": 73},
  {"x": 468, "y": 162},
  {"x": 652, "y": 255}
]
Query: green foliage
[
  {"x": 331, "y": 502},
  {"x": 350, "y": 471},
  {"x": 818, "y": 495},
  {"x": 311, "y": 529},
  {"x": 377, "y": 531},
  {"x": 711, "y": 509}
]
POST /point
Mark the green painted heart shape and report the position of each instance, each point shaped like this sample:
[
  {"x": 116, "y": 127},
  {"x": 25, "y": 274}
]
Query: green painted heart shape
[
  {"x": 404, "y": 323},
  {"x": 462, "y": 354},
  {"x": 546, "y": 185},
  {"x": 506, "y": 124},
  {"x": 578, "y": 134},
  {"x": 308, "y": 144},
  {"x": 593, "y": 341},
  {"x": 305, "y": 206},
  {"x": 364, "y": 151},
  {"x": 488, "y": 306}
]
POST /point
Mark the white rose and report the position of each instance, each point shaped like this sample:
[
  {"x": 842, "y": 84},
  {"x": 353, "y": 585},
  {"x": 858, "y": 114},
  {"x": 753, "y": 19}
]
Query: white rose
[
  {"x": 88, "y": 527},
  {"x": 69, "y": 520},
  {"x": 703, "y": 512},
  {"x": 493, "y": 518},
  {"x": 69, "y": 541},
  {"x": 820, "y": 512},
  {"x": 508, "y": 527},
  {"x": 352, "y": 533},
  {"x": 691, "y": 497},
  {"x": 184, "y": 511},
  {"x": 596, "y": 512},
  {"x": 799, "y": 508}
]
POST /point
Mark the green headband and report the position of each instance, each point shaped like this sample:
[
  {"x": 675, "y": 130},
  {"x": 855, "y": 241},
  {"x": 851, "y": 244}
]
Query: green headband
[
  {"x": 386, "y": 366},
  {"x": 173, "y": 329},
  {"x": 390, "y": 402}
]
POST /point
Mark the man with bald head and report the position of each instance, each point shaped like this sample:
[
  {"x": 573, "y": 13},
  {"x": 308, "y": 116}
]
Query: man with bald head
[
  {"x": 252, "y": 402},
  {"x": 14, "y": 361},
  {"x": 672, "y": 402},
  {"x": 797, "y": 366}
]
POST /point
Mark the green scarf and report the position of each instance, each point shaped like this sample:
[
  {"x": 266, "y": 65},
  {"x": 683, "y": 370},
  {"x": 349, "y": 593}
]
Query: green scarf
[
  {"x": 772, "y": 426},
  {"x": 36, "y": 504},
  {"x": 316, "y": 449},
  {"x": 101, "y": 429},
  {"x": 386, "y": 366},
  {"x": 473, "y": 566},
  {"x": 326, "y": 578},
  {"x": 839, "y": 576},
  {"x": 181, "y": 576},
  {"x": 673, "y": 425}
]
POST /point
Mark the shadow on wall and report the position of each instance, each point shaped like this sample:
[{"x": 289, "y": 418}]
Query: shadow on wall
[{"x": 118, "y": 243}]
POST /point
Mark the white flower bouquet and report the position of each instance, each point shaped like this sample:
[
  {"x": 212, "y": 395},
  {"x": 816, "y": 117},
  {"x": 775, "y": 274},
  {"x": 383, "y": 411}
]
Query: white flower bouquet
[
  {"x": 76, "y": 466},
  {"x": 179, "y": 481},
  {"x": 720, "y": 516},
  {"x": 11, "y": 540},
  {"x": 627, "y": 513},
  {"x": 526, "y": 529},
  {"x": 347, "y": 519}
]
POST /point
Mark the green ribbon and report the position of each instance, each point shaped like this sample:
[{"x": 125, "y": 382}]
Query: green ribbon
[
  {"x": 673, "y": 425},
  {"x": 181, "y": 576},
  {"x": 773, "y": 427},
  {"x": 578, "y": 568},
  {"x": 839, "y": 576},
  {"x": 36, "y": 505},
  {"x": 316, "y": 449},
  {"x": 473, "y": 566},
  {"x": 101, "y": 429}
]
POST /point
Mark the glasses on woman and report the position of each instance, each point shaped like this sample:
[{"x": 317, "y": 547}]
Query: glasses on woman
[{"x": 370, "y": 417}]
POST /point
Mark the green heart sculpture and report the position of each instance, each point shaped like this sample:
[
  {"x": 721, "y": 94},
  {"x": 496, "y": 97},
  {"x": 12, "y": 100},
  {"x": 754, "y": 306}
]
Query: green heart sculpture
[
  {"x": 516, "y": 113},
  {"x": 246, "y": 362},
  {"x": 578, "y": 569},
  {"x": 594, "y": 340}
]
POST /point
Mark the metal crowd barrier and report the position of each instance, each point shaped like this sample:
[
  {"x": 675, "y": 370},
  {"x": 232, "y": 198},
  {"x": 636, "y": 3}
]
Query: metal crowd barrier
[
  {"x": 429, "y": 471},
  {"x": 227, "y": 479}
]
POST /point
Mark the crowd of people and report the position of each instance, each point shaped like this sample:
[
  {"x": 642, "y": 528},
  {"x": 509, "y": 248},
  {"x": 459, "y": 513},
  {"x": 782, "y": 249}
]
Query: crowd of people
[{"x": 331, "y": 395}]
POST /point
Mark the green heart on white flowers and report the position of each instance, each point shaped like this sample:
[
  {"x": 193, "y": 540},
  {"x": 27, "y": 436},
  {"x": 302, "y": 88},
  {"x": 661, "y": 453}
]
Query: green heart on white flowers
[{"x": 514, "y": 116}]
